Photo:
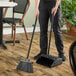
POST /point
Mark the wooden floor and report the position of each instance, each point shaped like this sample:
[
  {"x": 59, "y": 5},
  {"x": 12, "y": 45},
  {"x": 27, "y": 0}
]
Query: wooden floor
[{"x": 10, "y": 58}]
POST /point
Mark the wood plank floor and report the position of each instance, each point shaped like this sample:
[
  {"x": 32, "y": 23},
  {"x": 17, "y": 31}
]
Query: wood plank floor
[{"x": 10, "y": 58}]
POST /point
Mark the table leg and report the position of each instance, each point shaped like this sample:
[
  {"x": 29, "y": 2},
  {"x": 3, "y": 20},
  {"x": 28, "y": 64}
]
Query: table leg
[
  {"x": 1, "y": 29},
  {"x": 1, "y": 26}
]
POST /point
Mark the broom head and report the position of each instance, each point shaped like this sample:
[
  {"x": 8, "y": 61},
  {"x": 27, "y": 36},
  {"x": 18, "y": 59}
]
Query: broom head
[{"x": 25, "y": 66}]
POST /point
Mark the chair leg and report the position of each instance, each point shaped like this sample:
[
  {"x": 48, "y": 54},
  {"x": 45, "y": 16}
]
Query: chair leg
[
  {"x": 25, "y": 31},
  {"x": 14, "y": 34}
]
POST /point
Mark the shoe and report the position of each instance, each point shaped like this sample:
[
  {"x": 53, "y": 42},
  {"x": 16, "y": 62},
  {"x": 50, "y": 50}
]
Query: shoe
[
  {"x": 37, "y": 56},
  {"x": 63, "y": 57}
]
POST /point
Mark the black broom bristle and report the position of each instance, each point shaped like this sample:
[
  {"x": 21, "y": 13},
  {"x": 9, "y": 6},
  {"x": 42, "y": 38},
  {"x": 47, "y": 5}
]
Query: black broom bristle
[{"x": 25, "y": 66}]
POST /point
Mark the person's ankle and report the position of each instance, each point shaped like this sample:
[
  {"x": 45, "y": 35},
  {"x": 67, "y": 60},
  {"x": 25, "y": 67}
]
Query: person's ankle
[
  {"x": 62, "y": 56},
  {"x": 37, "y": 56}
]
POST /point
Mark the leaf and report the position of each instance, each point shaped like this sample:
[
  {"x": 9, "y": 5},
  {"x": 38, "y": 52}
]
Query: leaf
[{"x": 70, "y": 21}]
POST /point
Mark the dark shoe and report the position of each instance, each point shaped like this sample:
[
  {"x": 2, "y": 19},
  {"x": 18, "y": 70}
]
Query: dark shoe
[
  {"x": 63, "y": 57},
  {"x": 37, "y": 56}
]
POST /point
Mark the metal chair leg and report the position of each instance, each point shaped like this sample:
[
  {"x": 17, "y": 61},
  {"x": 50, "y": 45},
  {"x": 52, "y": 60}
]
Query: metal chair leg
[
  {"x": 14, "y": 34},
  {"x": 25, "y": 31}
]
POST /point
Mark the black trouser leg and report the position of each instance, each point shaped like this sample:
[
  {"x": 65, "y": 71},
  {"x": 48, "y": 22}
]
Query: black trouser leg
[
  {"x": 57, "y": 32},
  {"x": 43, "y": 20},
  {"x": 45, "y": 13}
]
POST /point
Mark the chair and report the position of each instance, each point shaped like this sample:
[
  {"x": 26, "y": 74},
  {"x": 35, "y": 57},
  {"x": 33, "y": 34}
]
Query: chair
[
  {"x": 72, "y": 56},
  {"x": 21, "y": 8}
]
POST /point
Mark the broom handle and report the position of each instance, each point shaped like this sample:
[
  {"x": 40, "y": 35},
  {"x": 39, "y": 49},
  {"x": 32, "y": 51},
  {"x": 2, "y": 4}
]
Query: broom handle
[
  {"x": 52, "y": 21},
  {"x": 32, "y": 38}
]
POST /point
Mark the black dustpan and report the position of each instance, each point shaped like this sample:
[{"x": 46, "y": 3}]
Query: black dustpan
[{"x": 49, "y": 60}]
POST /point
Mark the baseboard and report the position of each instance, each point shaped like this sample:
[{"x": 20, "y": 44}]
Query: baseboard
[{"x": 21, "y": 30}]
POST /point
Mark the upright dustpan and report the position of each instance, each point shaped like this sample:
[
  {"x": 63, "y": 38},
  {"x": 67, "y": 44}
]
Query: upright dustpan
[
  {"x": 49, "y": 60},
  {"x": 26, "y": 65}
]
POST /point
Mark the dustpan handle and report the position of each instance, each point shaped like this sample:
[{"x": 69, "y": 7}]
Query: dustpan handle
[
  {"x": 51, "y": 29},
  {"x": 32, "y": 38}
]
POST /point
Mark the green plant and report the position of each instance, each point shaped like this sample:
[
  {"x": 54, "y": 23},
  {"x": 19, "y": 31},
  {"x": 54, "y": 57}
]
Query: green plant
[
  {"x": 69, "y": 11},
  {"x": 68, "y": 7},
  {"x": 72, "y": 19}
]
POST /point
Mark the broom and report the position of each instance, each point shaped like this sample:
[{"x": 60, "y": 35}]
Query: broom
[{"x": 26, "y": 65}]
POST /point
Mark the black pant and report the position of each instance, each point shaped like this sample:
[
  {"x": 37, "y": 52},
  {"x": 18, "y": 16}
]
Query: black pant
[{"x": 45, "y": 14}]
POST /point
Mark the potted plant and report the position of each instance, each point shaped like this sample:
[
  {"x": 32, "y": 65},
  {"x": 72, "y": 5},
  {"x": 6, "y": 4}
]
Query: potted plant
[
  {"x": 71, "y": 25},
  {"x": 69, "y": 14}
]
